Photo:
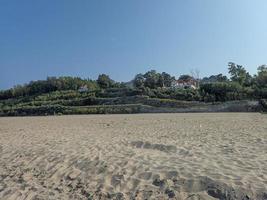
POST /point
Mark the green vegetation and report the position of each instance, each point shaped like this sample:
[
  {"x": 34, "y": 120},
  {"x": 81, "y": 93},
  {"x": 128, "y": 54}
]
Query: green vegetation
[{"x": 151, "y": 91}]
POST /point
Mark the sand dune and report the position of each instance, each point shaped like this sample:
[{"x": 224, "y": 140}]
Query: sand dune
[{"x": 143, "y": 156}]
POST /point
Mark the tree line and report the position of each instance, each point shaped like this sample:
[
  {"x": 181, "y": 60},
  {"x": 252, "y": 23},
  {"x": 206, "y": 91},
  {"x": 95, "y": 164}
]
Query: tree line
[{"x": 239, "y": 85}]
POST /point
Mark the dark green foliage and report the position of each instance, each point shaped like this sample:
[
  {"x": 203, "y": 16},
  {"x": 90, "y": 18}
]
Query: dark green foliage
[
  {"x": 239, "y": 74},
  {"x": 152, "y": 79},
  {"x": 58, "y": 110},
  {"x": 149, "y": 91},
  {"x": 139, "y": 81},
  {"x": 214, "y": 79},
  {"x": 263, "y": 103},
  {"x": 261, "y": 78},
  {"x": 167, "y": 79},
  {"x": 173, "y": 93},
  {"x": 104, "y": 81},
  {"x": 185, "y": 77},
  {"x": 221, "y": 91},
  {"x": 118, "y": 92},
  {"x": 49, "y": 85}
]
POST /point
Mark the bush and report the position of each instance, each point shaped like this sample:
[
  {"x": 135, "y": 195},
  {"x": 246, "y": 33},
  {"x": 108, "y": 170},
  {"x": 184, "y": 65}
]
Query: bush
[{"x": 263, "y": 103}]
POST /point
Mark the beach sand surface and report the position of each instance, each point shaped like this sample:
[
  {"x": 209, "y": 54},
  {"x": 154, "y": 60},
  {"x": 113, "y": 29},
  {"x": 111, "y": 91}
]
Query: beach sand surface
[{"x": 142, "y": 156}]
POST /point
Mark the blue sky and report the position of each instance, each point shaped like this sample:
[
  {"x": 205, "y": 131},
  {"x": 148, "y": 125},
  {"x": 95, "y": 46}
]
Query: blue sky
[{"x": 40, "y": 38}]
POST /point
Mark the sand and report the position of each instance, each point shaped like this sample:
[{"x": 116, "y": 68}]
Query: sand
[{"x": 142, "y": 156}]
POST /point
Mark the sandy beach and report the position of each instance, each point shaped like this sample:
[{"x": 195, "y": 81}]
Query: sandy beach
[{"x": 142, "y": 156}]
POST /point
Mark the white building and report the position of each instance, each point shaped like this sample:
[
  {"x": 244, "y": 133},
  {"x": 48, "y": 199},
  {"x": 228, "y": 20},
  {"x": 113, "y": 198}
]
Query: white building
[
  {"x": 83, "y": 89},
  {"x": 191, "y": 83}
]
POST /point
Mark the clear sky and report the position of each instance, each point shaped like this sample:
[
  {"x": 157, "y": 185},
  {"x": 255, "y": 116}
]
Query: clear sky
[{"x": 40, "y": 38}]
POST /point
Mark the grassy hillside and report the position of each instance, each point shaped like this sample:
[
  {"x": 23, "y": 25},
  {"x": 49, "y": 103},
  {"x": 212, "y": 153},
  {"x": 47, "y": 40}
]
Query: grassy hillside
[
  {"x": 109, "y": 101},
  {"x": 149, "y": 92},
  {"x": 74, "y": 102}
]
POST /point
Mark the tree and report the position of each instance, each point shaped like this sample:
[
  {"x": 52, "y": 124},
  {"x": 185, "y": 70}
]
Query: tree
[
  {"x": 152, "y": 79},
  {"x": 104, "y": 81},
  {"x": 6, "y": 94},
  {"x": 262, "y": 68},
  {"x": 139, "y": 81},
  {"x": 215, "y": 78},
  {"x": 19, "y": 90},
  {"x": 185, "y": 77},
  {"x": 239, "y": 74},
  {"x": 167, "y": 79},
  {"x": 221, "y": 91},
  {"x": 261, "y": 78}
]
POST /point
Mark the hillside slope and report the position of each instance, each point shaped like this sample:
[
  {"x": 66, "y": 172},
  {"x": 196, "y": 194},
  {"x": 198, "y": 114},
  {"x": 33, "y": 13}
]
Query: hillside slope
[{"x": 74, "y": 102}]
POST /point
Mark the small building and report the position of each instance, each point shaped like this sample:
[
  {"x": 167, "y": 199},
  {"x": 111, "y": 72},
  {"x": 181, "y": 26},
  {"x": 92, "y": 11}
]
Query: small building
[
  {"x": 83, "y": 89},
  {"x": 183, "y": 84}
]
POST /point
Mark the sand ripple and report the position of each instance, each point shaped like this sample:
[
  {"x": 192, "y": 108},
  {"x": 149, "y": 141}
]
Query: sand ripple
[{"x": 146, "y": 156}]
